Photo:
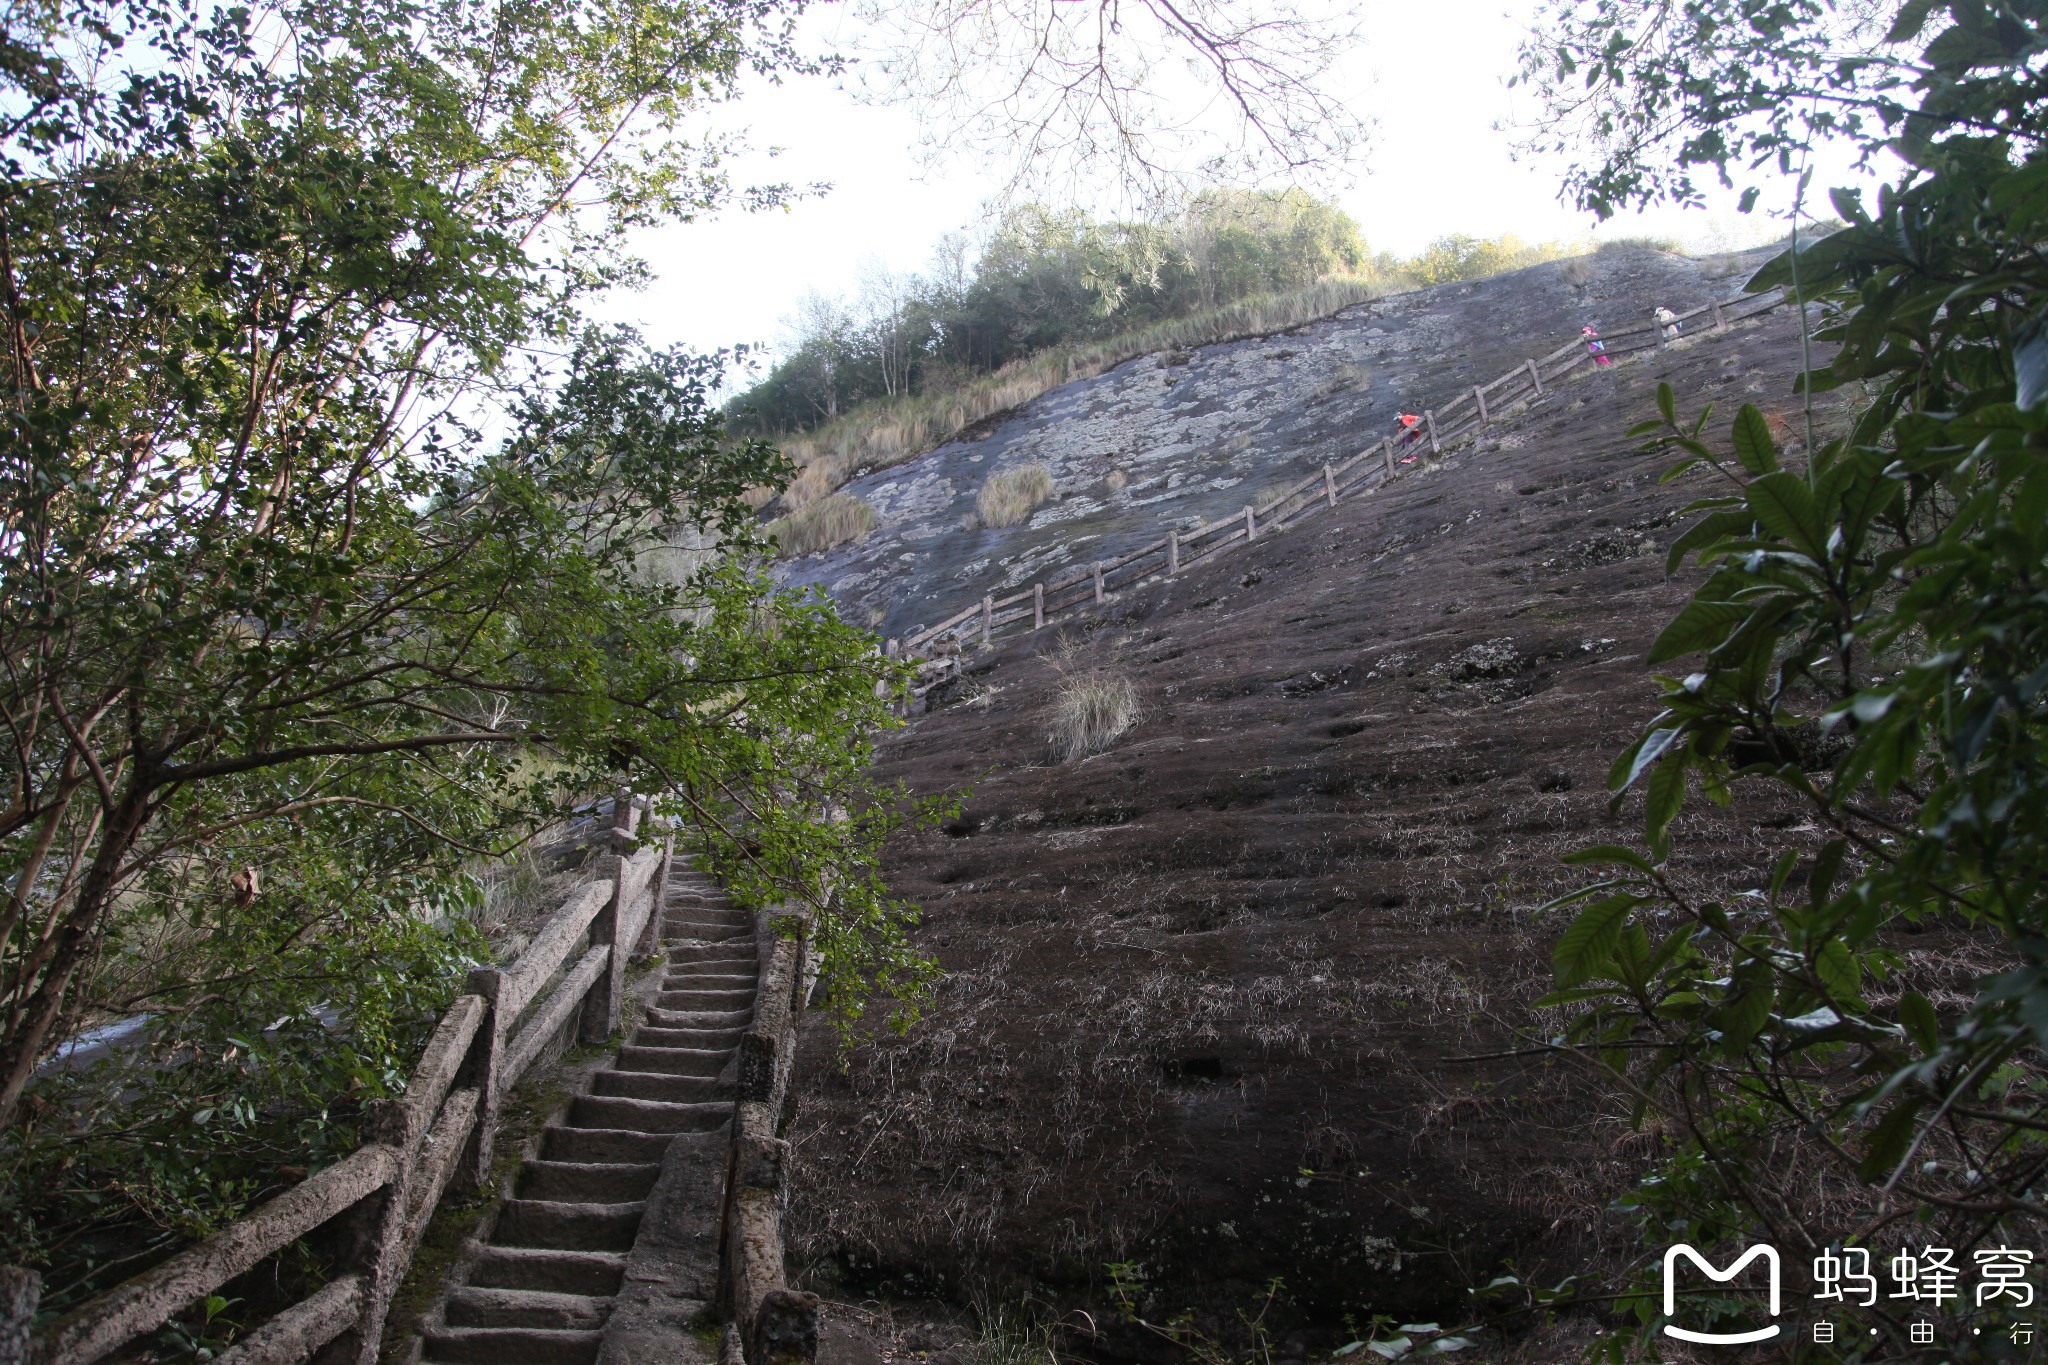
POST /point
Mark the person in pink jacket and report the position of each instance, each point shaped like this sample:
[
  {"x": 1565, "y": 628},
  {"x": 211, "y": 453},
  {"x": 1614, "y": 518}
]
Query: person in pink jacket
[{"x": 1596, "y": 348}]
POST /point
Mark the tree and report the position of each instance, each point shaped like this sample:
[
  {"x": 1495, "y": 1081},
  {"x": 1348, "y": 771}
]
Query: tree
[
  {"x": 1052, "y": 93},
  {"x": 1869, "y": 642},
  {"x": 262, "y": 586}
]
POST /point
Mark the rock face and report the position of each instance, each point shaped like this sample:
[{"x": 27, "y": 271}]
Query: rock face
[
  {"x": 1250, "y": 994},
  {"x": 1184, "y": 437}
]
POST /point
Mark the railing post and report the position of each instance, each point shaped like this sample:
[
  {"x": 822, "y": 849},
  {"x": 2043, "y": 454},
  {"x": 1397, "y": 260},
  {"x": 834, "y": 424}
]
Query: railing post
[
  {"x": 1387, "y": 458},
  {"x": 988, "y": 618},
  {"x": 20, "y": 1292},
  {"x": 1251, "y": 524},
  {"x": 1173, "y": 552},
  {"x": 1479, "y": 396},
  {"x": 650, "y": 933},
  {"x": 1720, "y": 318},
  {"x": 486, "y": 1058},
  {"x": 1098, "y": 582},
  {"x": 1536, "y": 378},
  {"x": 893, "y": 650},
  {"x": 381, "y": 1256},
  {"x": 1435, "y": 446},
  {"x": 625, "y": 818},
  {"x": 601, "y": 1006},
  {"x": 1329, "y": 485},
  {"x": 1038, "y": 606}
]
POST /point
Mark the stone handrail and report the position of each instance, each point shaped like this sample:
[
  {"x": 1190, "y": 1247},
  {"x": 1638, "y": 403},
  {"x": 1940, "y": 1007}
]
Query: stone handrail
[
  {"x": 937, "y": 648},
  {"x": 769, "y": 1323},
  {"x": 371, "y": 1207}
]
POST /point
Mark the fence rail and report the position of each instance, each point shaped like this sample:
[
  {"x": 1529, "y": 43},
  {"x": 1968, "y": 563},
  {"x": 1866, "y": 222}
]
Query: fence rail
[
  {"x": 370, "y": 1208},
  {"x": 937, "y": 648}
]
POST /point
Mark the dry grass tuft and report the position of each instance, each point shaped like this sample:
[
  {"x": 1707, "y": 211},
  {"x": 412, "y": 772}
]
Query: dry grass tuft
[
  {"x": 1011, "y": 495},
  {"x": 831, "y": 520},
  {"x": 1089, "y": 712},
  {"x": 1116, "y": 480}
]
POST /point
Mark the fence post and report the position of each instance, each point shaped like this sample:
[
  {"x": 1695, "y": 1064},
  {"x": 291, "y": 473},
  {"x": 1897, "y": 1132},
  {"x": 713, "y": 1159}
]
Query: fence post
[
  {"x": 1387, "y": 458},
  {"x": 388, "y": 1122},
  {"x": 893, "y": 650},
  {"x": 1038, "y": 606},
  {"x": 1251, "y": 524},
  {"x": 1536, "y": 378},
  {"x": 1720, "y": 318},
  {"x": 486, "y": 1057},
  {"x": 601, "y": 1005},
  {"x": 988, "y": 618},
  {"x": 1098, "y": 582},
  {"x": 651, "y": 933},
  {"x": 20, "y": 1291},
  {"x": 1329, "y": 485},
  {"x": 625, "y": 818},
  {"x": 1173, "y": 552},
  {"x": 1435, "y": 446},
  {"x": 1479, "y": 396}
]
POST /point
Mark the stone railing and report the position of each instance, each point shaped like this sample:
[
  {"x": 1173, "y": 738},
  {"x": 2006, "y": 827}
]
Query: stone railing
[{"x": 365, "y": 1214}]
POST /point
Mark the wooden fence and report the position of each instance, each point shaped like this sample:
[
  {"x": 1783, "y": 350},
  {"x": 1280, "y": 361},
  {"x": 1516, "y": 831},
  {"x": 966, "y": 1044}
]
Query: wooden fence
[
  {"x": 938, "y": 647},
  {"x": 767, "y": 1323},
  {"x": 367, "y": 1211}
]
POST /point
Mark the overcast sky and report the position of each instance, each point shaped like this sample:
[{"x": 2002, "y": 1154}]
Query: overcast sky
[{"x": 1433, "y": 76}]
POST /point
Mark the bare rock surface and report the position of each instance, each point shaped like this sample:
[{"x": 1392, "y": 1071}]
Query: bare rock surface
[
  {"x": 1249, "y": 994},
  {"x": 1197, "y": 435}
]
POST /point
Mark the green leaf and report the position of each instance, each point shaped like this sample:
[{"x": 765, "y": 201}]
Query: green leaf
[
  {"x": 1589, "y": 941},
  {"x": 1703, "y": 624},
  {"x": 1889, "y": 1141},
  {"x": 1784, "y": 504},
  {"x": 1838, "y": 970},
  {"x": 1922, "y": 1025},
  {"x": 1754, "y": 449},
  {"x": 1667, "y": 404}
]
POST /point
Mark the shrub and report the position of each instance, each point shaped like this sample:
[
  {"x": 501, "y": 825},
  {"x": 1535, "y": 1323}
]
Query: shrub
[
  {"x": 1090, "y": 711},
  {"x": 832, "y": 520},
  {"x": 1010, "y": 495}
]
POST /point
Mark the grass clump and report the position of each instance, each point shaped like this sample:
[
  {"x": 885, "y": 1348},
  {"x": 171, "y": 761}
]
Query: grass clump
[
  {"x": 1010, "y": 495},
  {"x": 832, "y": 520},
  {"x": 1089, "y": 712}
]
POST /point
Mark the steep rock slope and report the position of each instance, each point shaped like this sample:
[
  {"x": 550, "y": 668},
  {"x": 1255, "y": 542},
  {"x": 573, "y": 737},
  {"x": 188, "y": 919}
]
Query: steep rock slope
[
  {"x": 1232, "y": 999},
  {"x": 1196, "y": 435}
]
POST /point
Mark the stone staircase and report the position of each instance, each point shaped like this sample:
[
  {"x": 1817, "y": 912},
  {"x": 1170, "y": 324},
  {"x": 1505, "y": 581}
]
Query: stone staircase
[{"x": 547, "y": 1274}]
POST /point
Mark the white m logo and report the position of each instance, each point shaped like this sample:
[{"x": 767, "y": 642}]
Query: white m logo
[{"x": 1770, "y": 1258}]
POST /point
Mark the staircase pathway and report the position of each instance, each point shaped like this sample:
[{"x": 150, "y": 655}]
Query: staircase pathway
[{"x": 607, "y": 1247}]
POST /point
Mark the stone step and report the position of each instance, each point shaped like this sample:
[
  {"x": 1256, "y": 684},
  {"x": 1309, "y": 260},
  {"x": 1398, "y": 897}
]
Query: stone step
[
  {"x": 469, "y": 1306},
  {"x": 646, "y": 1116},
  {"x": 716, "y": 935},
  {"x": 565, "y": 1272},
  {"x": 508, "y": 1346},
  {"x": 568, "y": 1227},
  {"x": 685, "y": 1038},
  {"x": 651, "y": 1085},
  {"x": 725, "y": 998},
  {"x": 747, "y": 968},
  {"x": 561, "y": 1143},
  {"x": 733, "y": 1017},
  {"x": 681, "y": 975},
  {"x": 674, "y": 1061},
  {"x": 588, "y": 1182}
]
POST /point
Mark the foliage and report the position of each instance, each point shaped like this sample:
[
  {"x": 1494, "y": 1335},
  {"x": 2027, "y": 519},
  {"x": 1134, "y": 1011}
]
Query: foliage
[
  {"x": 830, "y": 521},
  {"x": 1662, "y": 92},
  {"x": 284, "y": 642},
  {"x": 1459, "y": 257},
  {"x": 1010, "y": 495},
  {"x": 1090, "y": 711},
  {"x": 1872, "y": 644},
  {"x": 1048, "y": 279}
]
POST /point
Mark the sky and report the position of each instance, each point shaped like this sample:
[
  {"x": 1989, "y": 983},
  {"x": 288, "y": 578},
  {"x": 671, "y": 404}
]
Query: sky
[{"x": 1433, "y": 77}]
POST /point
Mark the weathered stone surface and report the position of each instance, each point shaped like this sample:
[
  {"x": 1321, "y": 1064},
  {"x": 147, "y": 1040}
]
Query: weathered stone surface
[{"x": 1195, "y": 442}]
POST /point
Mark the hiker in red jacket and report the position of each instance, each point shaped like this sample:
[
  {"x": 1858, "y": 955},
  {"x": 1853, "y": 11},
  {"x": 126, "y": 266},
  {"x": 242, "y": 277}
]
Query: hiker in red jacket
[{"x": 1410, "y": 426}]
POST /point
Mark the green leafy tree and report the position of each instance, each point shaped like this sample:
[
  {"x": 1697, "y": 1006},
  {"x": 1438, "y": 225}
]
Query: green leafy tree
[
  {"x": 267, "y": 600},
  {"x": 1871, "y": 642}
]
